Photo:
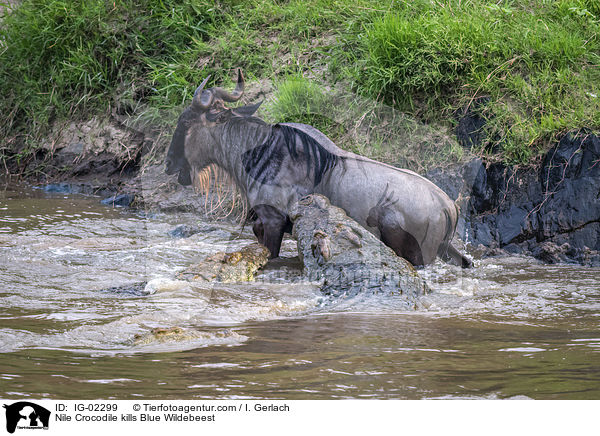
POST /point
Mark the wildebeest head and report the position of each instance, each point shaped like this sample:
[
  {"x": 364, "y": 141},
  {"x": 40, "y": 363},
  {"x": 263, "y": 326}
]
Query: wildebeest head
[{"x": 196, "y": 124}]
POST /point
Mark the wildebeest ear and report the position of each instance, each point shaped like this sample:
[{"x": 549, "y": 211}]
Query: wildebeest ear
[{"x": 248, "y": 110}]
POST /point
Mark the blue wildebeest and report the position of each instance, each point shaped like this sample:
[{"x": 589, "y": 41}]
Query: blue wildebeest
[{"x": 275, "y": 165}]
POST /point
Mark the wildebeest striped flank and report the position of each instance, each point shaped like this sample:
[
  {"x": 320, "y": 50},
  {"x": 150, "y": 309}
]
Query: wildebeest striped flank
[{"x": 264, "y": 163}]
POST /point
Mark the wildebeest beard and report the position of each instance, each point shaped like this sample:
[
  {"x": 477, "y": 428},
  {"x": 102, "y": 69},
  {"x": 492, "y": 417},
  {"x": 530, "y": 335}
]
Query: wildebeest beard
[{"x": 263, "y": 163}]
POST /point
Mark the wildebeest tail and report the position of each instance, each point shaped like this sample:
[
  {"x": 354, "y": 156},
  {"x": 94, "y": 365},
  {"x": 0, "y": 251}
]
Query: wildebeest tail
[
  {"x": 446, "y": 251},
  {"x": 450, "y": 228}
]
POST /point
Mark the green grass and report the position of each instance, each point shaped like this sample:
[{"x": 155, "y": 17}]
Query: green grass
[
  {"x": 74, "y": 57},
  {"x": 363, "y": 125},
  {"x": 537, "y": 61},
  {"x": 300, "y": 100}
]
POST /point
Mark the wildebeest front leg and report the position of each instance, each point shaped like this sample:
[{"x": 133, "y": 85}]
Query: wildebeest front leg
[{"x": 270, "y": 226}]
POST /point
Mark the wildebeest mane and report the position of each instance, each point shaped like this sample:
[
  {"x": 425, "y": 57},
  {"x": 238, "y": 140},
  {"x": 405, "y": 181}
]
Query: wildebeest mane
[{"x": 263, "y": 163}]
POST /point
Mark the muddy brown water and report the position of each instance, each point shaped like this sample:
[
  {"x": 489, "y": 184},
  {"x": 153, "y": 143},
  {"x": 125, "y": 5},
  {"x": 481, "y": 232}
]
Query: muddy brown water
[{"x": 509, "y": 328}]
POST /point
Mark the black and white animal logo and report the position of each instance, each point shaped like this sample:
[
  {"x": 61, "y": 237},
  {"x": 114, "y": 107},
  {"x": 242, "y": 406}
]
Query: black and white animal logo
[{"x": 26, "y": 415}]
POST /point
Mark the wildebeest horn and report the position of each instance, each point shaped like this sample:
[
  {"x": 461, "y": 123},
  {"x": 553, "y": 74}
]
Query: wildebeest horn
[
  {"x": 201, "y": 101},
  {"x": 237, "y": 92}
]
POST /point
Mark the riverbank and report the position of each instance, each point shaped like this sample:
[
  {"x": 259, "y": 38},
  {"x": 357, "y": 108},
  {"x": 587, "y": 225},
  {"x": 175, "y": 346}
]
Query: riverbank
[
  {"x": 528, "y": 70},
  {"x": 550, "y": 211}
]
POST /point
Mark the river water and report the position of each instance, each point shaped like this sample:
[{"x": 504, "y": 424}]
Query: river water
[{"x": 74, "y": 321}]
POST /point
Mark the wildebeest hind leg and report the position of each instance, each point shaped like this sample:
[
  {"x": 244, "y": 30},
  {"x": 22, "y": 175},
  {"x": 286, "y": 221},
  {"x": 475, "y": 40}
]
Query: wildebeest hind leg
[
  {"x": 403, "y": 243},
  {"x": 259, "y": 231},
  {"x": 451, "y": 255},
  {"x": 270, "y": 226}
]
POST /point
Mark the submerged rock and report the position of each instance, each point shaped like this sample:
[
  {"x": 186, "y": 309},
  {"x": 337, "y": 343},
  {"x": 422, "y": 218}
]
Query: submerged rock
[
  {"x": 178, "y": 334},
  {"x": 133, "y": 289},
  {"x": 348, "y": 258},
  {"x": 184, "y": 231},
  {"x": 61, "y": 188},
  {"x": 123, "y": 200},
  {"x": 236, "y": 266}
]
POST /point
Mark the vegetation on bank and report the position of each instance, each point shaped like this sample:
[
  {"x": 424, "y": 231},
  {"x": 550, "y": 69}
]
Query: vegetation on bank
[{"x": 535, "y": 64}]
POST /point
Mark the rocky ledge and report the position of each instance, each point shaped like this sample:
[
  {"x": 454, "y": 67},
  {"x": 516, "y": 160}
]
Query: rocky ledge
[{"x": 551, "y": 211}]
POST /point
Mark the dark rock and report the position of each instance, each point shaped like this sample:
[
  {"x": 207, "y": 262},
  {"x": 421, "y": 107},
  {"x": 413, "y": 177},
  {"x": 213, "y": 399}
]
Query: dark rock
[
  {"x": 549, "y": 252},
  {"x": 348, "y": 258},
  {"x": 463, "y": 183},
  {"x": 574, "y": 157},
  {"x": 482, "y": 234},
  {"x": 513, "y": 248},
  {"x": 510, "y": 224},
  {"x": 552, "y": 213},
  {"x": 77, "y": 188},
  {"x": 482, "y": 193},
  {"x": 123, "y": 200},
  {"x": 570, "y": 176},
  {"x": 184, "y": 231},
  {"x": 447, "y": 180},
  {"x": 133, "y": 289},
  {"x": 586, "y": 236}
]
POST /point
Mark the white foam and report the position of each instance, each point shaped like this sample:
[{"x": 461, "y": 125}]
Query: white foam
[{"x": 163, "y": 284}]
